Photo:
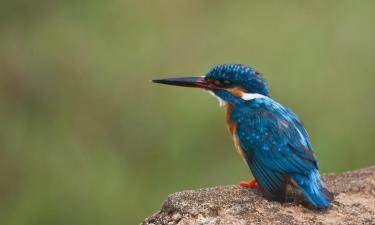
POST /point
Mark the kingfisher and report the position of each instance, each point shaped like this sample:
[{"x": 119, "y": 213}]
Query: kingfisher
[{"x": 270, "y": 137}]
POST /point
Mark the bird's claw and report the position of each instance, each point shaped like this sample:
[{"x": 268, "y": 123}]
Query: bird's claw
[{"x": 250, "y": 184}]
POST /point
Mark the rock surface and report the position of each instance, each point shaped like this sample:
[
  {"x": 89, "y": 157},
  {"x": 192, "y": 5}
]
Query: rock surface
[{"x": 354, "y": 203}]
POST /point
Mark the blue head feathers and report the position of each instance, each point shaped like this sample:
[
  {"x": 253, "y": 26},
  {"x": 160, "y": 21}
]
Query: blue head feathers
[
  {"x": 238, "y": 75},
  {"x": 233, "y": 83}
]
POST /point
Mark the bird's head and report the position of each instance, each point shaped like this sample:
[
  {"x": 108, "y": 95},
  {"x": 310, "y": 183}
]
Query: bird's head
[{"x": 231, "y": 83}]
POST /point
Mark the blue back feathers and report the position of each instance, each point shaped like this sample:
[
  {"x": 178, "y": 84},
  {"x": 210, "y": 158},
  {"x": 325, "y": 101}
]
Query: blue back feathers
[{"x": 278, "y": 149}]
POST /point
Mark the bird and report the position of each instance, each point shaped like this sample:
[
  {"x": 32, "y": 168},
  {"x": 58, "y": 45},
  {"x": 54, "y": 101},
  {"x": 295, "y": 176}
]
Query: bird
[{"x": 270, "y": 137}]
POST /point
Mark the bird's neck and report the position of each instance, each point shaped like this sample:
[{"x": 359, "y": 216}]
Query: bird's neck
[
  {"x": 236, "y": 96},
  {"x": 230, "y": 106},
  {"x": 230, "y": 123}
]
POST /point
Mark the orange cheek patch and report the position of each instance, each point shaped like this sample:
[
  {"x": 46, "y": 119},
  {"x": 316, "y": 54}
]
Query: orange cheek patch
[{"x": 237, "y": 91}]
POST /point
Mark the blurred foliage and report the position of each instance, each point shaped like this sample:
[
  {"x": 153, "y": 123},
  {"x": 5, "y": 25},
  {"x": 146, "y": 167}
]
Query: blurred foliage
[{"x": 86, "y": 139}]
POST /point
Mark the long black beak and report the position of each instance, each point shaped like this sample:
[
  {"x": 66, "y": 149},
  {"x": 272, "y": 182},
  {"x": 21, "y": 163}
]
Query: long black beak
[{"x": 196, "y": 82}]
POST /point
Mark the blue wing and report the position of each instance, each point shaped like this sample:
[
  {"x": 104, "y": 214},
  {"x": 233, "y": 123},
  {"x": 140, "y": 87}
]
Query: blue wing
[{"x": 275, "y": 143}]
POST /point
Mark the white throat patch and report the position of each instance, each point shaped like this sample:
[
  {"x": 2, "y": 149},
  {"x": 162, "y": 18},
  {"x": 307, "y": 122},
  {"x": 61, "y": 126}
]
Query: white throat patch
[
  {"x": 221, "y": 101},
  {"x": 245, "y": 96}
]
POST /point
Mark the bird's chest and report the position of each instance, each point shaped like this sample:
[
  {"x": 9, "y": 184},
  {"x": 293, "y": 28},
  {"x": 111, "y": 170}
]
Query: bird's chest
[{"x": 232, "y": 127}]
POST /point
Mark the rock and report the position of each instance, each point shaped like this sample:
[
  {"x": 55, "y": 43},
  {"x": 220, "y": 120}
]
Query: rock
[{"x": 354, "y": 203}]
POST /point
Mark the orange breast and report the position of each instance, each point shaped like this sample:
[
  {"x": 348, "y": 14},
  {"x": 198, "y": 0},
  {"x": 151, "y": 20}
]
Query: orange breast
[
  {"x": 232, "y": 127},
  {"x": 229, "y": 123}
]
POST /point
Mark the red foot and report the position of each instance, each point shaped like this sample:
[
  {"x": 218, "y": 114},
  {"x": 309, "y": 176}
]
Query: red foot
[{"x": 250, "y": 184}]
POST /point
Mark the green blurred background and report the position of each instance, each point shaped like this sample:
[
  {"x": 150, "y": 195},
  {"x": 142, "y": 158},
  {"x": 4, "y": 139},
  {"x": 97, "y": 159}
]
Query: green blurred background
[{"x": 86, "y": 139}]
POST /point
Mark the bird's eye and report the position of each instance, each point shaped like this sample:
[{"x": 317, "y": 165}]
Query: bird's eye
[{"x": 220, "y": 83}]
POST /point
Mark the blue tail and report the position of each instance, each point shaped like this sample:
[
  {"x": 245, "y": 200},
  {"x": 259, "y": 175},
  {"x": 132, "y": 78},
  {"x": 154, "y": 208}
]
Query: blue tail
[{"x": 313, "y": 188}]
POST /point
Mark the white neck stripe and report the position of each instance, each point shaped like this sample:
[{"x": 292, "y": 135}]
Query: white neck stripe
[
  {"x": 222, "y": 102},
  {"x": 250, "y": 96}
]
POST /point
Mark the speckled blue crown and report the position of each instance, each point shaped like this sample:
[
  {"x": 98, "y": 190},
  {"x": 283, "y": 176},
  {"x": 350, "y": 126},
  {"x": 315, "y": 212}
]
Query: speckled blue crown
[{"x": 240, "y": 75}]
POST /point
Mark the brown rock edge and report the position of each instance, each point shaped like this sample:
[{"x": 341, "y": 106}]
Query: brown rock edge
[{"x": 354, "y": 203}]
